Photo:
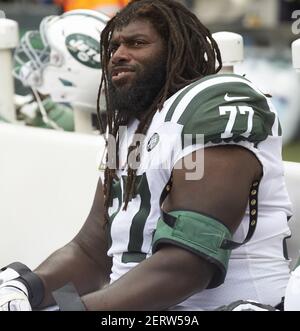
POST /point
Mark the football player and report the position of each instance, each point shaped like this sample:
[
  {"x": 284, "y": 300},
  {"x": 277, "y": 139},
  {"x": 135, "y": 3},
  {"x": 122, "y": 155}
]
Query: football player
[{"x": 192, "y": 213}]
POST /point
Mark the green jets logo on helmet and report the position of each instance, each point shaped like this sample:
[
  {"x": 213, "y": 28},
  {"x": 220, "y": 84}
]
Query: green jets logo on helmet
[{"x": 84, "y": 49}]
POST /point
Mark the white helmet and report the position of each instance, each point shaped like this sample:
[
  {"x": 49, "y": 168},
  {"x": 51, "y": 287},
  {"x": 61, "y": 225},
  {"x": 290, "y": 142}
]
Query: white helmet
[{"x": 62, "y": 59}]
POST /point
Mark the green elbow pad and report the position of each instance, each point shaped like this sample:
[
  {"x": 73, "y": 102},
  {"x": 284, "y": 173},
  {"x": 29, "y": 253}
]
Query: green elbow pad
[{"x": 199, "y": 234}]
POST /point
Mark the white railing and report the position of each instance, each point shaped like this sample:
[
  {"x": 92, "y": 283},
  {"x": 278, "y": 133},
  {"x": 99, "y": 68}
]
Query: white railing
[{"x": 47, "y": 183}]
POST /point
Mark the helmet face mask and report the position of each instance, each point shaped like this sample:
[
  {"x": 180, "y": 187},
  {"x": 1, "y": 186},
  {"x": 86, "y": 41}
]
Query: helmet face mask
[
  {"x": 30, "y": 58},
  {"x": 62, "y": 59}
]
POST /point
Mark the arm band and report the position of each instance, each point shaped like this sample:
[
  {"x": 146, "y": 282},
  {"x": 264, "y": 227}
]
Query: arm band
[
  {"x": 32, "y": 281},
  {"x": 199, "y": 234}
]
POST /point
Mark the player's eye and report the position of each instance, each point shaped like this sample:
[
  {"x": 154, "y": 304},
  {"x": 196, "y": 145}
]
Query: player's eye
[
  {"x": 138, "y": 43},
  {"x": 113, "y": 48}
]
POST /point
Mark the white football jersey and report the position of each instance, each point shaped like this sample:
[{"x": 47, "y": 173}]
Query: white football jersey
[{"x": 225, "y": 109}]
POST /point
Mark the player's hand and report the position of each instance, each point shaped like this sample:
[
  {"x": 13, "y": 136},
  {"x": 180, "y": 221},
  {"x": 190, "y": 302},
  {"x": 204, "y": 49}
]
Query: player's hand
[{"x": 14, "y": 296}]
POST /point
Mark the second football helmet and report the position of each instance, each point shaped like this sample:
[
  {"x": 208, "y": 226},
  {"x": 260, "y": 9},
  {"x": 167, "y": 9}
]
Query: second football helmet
[{"x": 62, "y": 59}]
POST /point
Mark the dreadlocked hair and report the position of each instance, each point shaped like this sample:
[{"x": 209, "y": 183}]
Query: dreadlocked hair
[{"x": 191, "y": 53}]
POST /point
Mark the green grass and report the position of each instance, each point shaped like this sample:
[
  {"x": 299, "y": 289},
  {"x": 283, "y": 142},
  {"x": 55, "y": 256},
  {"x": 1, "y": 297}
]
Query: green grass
[{"x": 291, "y": 152}]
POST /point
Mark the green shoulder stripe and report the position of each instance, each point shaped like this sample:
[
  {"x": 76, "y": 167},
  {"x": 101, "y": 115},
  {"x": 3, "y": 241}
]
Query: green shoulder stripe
[
  {"x": 184, "y": 92},
  {"x": 224, "y": 108},
  {"x": 212, "y": 80},
  {"x": 175, "y": 103}
]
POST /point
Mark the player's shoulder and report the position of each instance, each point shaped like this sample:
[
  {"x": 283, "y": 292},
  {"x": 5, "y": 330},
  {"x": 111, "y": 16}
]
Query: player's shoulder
[
  {"x": 225, "y": 107},
  {"x": 213, "y": 91}
]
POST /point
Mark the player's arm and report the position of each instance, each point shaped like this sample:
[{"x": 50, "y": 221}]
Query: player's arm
[
  {"x": 83, "y": 261},
  {"x": 173, "y": 272}
]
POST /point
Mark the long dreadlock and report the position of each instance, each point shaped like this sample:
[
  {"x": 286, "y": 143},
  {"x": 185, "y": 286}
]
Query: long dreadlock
[{"x": 191, "y": 55}]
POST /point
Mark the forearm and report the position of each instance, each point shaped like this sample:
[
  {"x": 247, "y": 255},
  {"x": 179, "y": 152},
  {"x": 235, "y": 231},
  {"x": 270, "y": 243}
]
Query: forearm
[
  {"x": 165, "y": 279},
  {"x": 70, "y": 264}
]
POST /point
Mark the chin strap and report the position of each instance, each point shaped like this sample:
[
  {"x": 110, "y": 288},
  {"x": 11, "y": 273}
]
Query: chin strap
[
  {"x": 253, "y": 212},
  {"x": 68, "y": 299}
]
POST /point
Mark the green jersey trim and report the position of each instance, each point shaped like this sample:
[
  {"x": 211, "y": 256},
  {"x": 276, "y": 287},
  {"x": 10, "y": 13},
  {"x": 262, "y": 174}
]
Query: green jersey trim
[
  {"x": 136, "y": 238},
  {"x": 134, "y": 253},
  {"x": 214, "y": 80},
  {"x": 223, "y": 108}
]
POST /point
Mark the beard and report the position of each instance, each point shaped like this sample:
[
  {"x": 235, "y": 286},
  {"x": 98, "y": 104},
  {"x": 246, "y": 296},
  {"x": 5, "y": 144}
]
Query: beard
[{"x": 134, "y": 101}]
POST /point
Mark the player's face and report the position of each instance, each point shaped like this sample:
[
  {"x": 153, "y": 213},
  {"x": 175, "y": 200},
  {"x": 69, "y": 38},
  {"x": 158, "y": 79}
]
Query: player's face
[
  {"x": 137, "y": 69},
  {"x": 135, "y": 49}
]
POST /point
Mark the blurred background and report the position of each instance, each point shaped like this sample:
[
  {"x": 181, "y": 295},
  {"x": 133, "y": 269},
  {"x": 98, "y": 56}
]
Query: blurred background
[{"x": 267, "y": 26}]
